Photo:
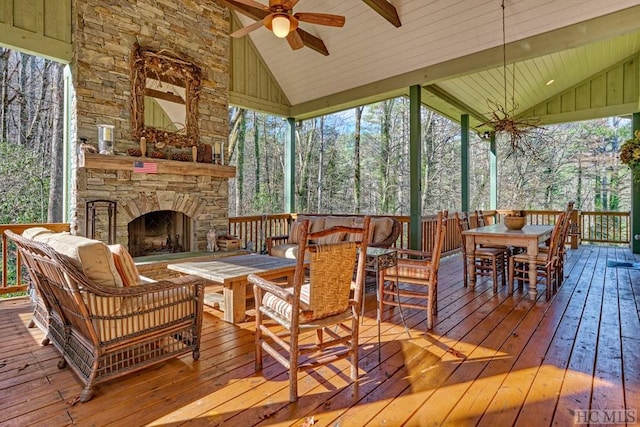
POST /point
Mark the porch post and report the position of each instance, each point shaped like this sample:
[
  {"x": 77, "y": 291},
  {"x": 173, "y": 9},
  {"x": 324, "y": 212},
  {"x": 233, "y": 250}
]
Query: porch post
[
  {"x": 415, "y": 173},
  {"x": 493, "y": 173},
  {"x": 464, "y": 162},
  {"x": 635, "y": 198},
  {"x": 290, "y": 166}
]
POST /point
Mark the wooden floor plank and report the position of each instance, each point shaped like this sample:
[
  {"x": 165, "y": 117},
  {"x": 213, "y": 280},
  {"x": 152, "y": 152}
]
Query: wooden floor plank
[
  {"x": 491, "y": 360},
  {"x": 506, "y": 405}
]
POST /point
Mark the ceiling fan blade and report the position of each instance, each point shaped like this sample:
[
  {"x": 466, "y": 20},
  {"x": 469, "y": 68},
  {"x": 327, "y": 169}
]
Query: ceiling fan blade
[
  {"x": 295, "y": 41},
  {"x": 246, "y": 30},
  {"x": 321, "y": 19},
  {"x": 290, "y": 3},
  {"x": 253, "y": 3}
]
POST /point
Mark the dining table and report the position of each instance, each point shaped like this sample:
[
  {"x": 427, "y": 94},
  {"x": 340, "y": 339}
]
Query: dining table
[{"x": 529, "y": 238}]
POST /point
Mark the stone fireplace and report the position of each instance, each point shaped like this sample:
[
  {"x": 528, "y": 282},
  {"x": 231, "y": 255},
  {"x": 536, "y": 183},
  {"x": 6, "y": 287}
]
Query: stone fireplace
[
  {"x": 182, "y": 199},
  {"x": 192, "y": 196}
]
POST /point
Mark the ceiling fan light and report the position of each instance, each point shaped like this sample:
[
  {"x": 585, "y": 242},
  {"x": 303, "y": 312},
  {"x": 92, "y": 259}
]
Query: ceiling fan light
[{"x": 280, "y": 26}]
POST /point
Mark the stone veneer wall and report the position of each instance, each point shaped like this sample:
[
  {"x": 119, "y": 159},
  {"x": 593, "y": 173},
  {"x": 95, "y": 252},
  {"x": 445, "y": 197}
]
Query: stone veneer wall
[{"x": 104, "y": 34}]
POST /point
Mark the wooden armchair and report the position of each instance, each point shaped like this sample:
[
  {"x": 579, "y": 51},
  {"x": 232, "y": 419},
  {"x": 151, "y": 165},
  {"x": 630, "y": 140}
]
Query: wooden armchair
[
  {"x": 105, "y": 332},
  {"x": 320, "y": 300},
  {"x": 415, "y": 276}
]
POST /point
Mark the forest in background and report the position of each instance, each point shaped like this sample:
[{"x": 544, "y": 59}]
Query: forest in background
[{"x": 356, "y": 161}]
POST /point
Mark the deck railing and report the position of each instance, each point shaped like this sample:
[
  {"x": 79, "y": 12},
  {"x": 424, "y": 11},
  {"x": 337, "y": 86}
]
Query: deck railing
[
  {"x": 588, "y": 226},
  {"x": 13, "y": 275}
]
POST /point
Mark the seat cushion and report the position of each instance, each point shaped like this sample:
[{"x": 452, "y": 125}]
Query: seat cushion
[
  {"x": 283, "y": 309},
  {"x": 92, "y": 257},
  {"x": 125, "y": 265}
]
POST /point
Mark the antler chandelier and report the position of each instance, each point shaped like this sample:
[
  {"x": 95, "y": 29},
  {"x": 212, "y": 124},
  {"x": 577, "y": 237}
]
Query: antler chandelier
[{"x": 503, "y": 119}]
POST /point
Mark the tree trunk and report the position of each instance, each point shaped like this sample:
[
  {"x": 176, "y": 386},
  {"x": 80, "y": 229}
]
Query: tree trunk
[
  {"x": 239, "y": 150},
  {"x": 57, "y": 157},
  {"x": 356, "y": 155},
  {"x": 320, "y": 166},
  {"x": 256, "y": 150}
]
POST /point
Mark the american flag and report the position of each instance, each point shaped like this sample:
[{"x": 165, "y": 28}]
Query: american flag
[{"x": 145, "y": 167}]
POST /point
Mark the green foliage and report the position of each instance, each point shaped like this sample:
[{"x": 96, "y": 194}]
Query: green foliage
[{"x": 24, "y": 185}]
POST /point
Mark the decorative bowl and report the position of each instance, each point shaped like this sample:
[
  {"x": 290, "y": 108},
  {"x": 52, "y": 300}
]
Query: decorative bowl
[{"x": 515, "y": 222}]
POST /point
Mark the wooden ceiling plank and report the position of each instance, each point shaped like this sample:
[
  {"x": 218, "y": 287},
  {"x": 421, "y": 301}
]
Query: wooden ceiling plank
[
  {"x": 386, "y": 10},
  {"x": 442, "y": 94}
]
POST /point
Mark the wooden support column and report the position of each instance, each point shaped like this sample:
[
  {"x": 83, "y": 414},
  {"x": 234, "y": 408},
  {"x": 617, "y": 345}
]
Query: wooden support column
[
  {"x": 464, "y": 162},
  {"x": 415, "y": 171},
  {"x": 290, "y": 167},
  {"x": 493, "y": 173},
  {"x": 635, "y": 198}
]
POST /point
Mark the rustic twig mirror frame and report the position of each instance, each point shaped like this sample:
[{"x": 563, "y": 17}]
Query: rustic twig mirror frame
[{"x": 165, "y": 67}]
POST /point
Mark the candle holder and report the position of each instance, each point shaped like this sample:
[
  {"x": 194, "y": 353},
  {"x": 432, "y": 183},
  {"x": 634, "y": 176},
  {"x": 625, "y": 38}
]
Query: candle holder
[{"x": 105, "y": 139}]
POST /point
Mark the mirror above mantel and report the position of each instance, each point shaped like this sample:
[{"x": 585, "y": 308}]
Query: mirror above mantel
[{"x": 165, "y": 98}]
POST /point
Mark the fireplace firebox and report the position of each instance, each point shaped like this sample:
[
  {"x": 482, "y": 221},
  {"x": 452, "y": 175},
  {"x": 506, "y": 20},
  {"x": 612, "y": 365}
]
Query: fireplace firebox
[{"x": 160, "y": 232}]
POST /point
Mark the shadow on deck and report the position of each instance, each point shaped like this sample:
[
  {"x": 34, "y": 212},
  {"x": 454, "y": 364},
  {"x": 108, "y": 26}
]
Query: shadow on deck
[{"x": 490, "y": 360}]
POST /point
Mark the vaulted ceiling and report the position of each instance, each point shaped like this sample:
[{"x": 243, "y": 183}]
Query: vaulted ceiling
[{"x": 454, "y": 49}]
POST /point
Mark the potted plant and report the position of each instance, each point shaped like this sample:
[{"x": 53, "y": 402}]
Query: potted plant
[{"x": 630, "y": 153}]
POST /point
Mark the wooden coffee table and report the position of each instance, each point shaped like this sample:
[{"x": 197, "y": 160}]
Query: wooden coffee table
[{"x": 231, "y": 272}]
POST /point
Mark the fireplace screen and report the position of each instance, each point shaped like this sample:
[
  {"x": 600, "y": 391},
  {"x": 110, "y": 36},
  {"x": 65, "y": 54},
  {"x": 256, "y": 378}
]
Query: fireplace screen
[{"x": 159, "y": 232}]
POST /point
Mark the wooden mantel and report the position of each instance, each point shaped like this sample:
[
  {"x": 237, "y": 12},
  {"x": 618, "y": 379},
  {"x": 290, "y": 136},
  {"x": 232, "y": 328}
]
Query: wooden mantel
[{"x": 174, "y": 167}]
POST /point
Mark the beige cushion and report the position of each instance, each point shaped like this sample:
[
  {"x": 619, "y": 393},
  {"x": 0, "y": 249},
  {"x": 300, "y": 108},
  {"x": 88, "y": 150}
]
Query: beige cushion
[
  {"x": 359, "y": 222},
  {"x": 316, "y": 224},
  {"x": 148, "y": 316},
  {"x": 125, "y": 265},
  {"x": 286, "y": 250},
  {"x": 331, "y": 239},
  {"x": 31, "y": 233},
  {"x": 337, "y": 221},
  {"x": 382, "y": 228},
  {"x": 293, "y": 233},
  {"x": 90, "y": 256}
]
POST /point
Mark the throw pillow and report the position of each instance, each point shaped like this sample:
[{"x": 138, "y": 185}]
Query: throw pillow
[{"x": 125, "y": 265}]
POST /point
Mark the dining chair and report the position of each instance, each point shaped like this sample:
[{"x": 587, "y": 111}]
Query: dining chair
[
  {"x": 547, "y": 263},
  {"x": 562, "y": 239},
  {"x": 488, "y": 260},
  {"x": 320, "y": 300},
  {"x": 415, "y": 276}
]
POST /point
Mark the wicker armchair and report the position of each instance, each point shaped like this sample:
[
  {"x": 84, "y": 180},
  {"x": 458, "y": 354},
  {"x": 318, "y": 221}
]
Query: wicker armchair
[
  {"x": 320, "y": 301},
  {"x": 106, "y": 332}
]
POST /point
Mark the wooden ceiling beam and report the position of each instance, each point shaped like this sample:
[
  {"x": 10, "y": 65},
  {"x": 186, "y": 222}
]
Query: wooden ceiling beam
[
  {"x": 386, "y": 10},
  {"x": 309, "y": 40}
]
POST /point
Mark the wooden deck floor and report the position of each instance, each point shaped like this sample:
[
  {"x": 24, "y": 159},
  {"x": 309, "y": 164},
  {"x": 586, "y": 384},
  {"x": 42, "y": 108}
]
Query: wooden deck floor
[{"x": 491, "y": 360}]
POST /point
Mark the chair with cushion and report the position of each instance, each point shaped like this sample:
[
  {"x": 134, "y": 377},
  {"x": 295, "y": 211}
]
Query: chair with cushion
[
  {"x": 415, "y": 276},
  {"x": 102, "y": 328},
  {"x": 489, "y": 261},
  {"x": 547, "y": 263},
  {"x": 320, "y": 301}
]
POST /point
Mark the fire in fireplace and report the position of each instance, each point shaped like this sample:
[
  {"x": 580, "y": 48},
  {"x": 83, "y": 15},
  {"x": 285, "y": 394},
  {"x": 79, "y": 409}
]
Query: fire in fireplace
[{"x": 159, "y": 232}]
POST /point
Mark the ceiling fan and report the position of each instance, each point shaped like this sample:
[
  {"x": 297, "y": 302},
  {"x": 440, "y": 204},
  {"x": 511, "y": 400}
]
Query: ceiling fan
[{"x": 283, "y": 22}]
